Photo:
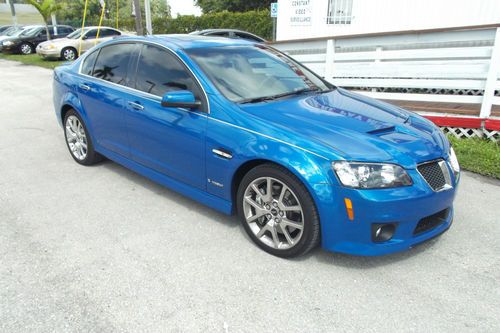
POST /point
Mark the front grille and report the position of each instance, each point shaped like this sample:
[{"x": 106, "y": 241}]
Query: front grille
[
  {"x": 431, "y": 221},
  {"x": 435, "y": 174}
]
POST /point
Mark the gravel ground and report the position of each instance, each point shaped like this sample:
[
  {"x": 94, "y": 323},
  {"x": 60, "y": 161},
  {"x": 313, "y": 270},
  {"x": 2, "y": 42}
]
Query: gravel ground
[{"x": 103, "y": 249}]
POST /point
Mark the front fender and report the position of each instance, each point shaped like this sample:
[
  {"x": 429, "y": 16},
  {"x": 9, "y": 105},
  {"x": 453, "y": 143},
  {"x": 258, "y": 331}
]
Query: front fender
[{"x": 246, "y": 146}]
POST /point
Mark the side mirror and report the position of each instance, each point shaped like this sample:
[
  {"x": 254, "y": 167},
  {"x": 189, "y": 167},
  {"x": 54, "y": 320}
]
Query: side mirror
[
  {"x": 85, "y": 37},
  {"x": 180, "y": 99}
]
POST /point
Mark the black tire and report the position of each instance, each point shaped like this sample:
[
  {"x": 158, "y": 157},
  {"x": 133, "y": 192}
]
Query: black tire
[
  {"x": 311, "y": 232},
  {"x": 91, "y": 157},
  {"x": 26, "y": 48},
  {"x": 69, "y": 54}
]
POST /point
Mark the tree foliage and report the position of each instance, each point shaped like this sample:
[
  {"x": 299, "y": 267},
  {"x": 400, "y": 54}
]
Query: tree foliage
[
  {"x": 214, "y": 6},
  {"x": 258, "y": 22},
  {"x": 72, "y": 12},
  {"x": 46, "y": 8}
]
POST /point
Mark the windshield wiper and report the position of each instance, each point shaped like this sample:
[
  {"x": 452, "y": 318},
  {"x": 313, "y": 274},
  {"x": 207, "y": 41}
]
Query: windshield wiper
[{"x": 273, "y": 97}]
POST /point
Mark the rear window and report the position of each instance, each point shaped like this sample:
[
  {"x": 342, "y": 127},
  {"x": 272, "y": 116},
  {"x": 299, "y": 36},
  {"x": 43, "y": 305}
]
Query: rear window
[{"x": 88, "y": 63}]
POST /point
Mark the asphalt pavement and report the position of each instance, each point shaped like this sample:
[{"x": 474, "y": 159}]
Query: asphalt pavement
[{"x": 103, "y": 249}]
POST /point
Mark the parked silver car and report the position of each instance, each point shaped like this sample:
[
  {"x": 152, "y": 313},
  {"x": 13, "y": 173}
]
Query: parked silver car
[{"x": 67, "y": 48}]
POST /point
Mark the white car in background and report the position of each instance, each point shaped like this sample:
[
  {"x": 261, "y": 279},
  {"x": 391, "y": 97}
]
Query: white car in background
[{"x": 67, "y": 48}]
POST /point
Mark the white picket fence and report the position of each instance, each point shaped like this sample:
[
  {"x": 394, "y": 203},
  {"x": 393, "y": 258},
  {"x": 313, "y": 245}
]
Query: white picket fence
[{"x": 451, "y": 66}]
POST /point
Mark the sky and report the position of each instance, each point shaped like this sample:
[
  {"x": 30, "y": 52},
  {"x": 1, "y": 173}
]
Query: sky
[{"x": 183, "y": 7}]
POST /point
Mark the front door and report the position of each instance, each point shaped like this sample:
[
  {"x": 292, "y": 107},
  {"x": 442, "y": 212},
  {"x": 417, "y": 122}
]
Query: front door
[{"x": 168, "y": 140}]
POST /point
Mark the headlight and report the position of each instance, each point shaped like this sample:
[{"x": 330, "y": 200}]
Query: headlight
[
  {"x": 49, "y": 47},
  {"x": 8, "y": 43},
  {"x": 454, "y": 161},
  {"x": 370, "y": 175}
]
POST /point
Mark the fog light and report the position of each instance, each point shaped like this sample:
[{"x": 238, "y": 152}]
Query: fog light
[{"x": 382, "y": 232}]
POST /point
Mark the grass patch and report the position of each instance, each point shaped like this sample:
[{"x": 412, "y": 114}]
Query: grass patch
[
  {"x": 478, "y": 155},
  {"x": 32, "y": 59}
]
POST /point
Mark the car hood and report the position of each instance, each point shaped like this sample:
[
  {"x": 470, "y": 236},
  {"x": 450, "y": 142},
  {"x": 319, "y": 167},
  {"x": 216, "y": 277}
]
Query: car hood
[
  {"x": 2, "y": 38},
  {"x": 58, "y": 42},
  {"x": 356, "y": 127}
]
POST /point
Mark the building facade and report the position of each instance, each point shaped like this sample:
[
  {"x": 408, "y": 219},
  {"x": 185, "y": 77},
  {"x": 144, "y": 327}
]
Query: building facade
[{"x": 298, "y": 19}]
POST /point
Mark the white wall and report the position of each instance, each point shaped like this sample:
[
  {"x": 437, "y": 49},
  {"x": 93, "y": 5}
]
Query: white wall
[
  {"x": 371, "y": 16},
  {"x": 20, "y": 8}
]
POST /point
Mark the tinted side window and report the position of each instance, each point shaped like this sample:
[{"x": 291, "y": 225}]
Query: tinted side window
[
  {"x": 88, "y": 63},
  {"x": 159, "y": 71},
  {"x": 108, "y": 33},
  {"x": 247, "y": 37},
  {"x": 112, "y": 63},
  {"x": 91, "y": 34},
  {"x": 64, "y": 30},
  {"x": 219, "y": 34}
]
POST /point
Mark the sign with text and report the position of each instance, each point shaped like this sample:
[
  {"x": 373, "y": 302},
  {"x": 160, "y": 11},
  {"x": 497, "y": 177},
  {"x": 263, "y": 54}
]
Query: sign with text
[
  {"x": 300, "y": 12},
  {"x": 274, "y": 9}
]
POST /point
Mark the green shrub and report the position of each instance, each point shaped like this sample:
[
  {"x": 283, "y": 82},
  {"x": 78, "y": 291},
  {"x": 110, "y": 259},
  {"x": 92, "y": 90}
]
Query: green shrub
[{"x": 258, "y": 22}]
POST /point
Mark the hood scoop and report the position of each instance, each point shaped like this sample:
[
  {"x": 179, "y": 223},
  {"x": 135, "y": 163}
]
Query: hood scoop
[{"x": 382, "y": 131}]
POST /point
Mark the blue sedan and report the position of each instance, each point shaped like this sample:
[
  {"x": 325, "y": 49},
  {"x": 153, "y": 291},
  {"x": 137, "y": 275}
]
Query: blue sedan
[{"x": 245, "y": 129}]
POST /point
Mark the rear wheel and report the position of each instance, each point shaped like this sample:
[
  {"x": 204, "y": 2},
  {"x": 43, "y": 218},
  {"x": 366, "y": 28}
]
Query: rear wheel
[
  {"x": 277, "y": 211},
  {"x": 78, "y": 140},
  {"x": 69, "y": 54},
  {"x": 26, "y": 48}
]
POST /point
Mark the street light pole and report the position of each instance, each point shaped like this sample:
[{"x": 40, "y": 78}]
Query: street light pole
[
  {"x": 147, "y": 10},
  {"x": 13, "y": 12}
]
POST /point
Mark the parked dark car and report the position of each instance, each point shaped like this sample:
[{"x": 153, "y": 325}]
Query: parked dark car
[
  {"x": 26, "y": 42},
  {"x": 230, "y": 33}
]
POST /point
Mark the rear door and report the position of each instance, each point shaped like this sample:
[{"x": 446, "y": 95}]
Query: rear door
[
  {"x": 42, "y": 36},
  {"x": 102, "y": 91},
  {"x": 62, "y": 31}
]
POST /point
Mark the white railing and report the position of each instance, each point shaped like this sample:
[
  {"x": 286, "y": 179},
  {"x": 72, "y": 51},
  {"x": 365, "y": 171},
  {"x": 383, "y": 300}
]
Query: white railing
[{"x": 452, "y": 66}]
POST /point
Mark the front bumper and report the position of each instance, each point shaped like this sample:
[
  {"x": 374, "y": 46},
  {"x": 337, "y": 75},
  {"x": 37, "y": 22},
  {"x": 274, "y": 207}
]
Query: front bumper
[
  {"x": 10, "y": 48},
  {"x": 48, "y": 54},
  {"x": 403, "y": 206}
]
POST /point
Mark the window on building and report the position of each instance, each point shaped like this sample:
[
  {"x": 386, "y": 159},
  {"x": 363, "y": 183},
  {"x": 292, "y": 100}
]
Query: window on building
[{"x": 339, "y": 12}]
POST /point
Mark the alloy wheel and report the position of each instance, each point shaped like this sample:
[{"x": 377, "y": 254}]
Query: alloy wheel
[
  {"x": 76, "y": 138},
  {"x": 69, "y": 54},
  {"x": 26, "y": 49},
  {"x": 273, "y": 213}
]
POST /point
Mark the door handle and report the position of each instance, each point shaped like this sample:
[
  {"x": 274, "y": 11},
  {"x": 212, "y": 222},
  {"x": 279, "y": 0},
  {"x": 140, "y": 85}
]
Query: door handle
[
  {"x": 84, "y": 86},
  {"x": 136, "y": 106}
]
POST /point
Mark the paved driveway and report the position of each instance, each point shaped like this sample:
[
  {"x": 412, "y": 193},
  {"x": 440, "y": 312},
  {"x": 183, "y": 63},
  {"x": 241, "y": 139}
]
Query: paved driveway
[{"x": 103, "y": 249}]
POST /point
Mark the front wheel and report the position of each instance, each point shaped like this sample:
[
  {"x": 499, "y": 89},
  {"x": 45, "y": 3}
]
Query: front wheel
[
  {"x": 277, "y": 211},
  {"x": 27, "y": 48},
  {"x": 69, "y": 54}
]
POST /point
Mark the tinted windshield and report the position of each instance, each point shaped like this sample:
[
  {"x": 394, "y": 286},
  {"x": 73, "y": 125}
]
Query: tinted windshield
[
  {"x": 31, "y": 31},
  {"x": 14, "y": 32},
  {"x": 244, "y": 73},
  {"x": 9, "y": 31}
]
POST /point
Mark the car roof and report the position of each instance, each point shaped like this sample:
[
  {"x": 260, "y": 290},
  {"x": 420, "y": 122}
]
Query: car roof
[
  {"x": 213, "y": 31},
  {"x": 186, "y": 41},
  {"x": 102, "y": 27}
]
